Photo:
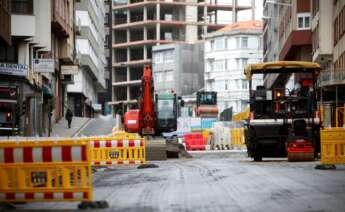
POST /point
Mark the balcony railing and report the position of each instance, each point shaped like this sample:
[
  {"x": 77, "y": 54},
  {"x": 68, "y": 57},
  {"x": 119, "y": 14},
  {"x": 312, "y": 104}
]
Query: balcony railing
[{"x": 332, "y": 77}]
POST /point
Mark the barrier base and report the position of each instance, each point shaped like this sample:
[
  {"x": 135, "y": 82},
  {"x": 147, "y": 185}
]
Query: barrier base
[
  {"x": 325, "y": 167},
  {"x": 7, "y": 206},
  {"x": 93, "y": 205}
]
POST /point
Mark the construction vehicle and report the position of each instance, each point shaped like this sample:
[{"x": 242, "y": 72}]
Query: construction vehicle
[
  {"x": 283, "y": 122},
  {"x": 155, "y": 115},
  {"x": 206, "y": 104}
]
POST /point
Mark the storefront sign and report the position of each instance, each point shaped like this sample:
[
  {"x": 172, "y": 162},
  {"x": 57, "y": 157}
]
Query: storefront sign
[
  {"x": 69, "y": 69},
  {"x": 44, "y": 65},
  {"x": 14, "y": 69}
]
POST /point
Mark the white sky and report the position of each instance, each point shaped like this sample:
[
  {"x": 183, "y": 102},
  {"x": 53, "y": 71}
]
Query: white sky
[{"x": 225, "y": 17}]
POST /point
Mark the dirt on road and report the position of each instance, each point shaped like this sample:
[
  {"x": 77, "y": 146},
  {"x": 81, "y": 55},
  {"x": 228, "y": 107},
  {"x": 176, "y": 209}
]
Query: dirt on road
[{"x": 218, "y": 182}]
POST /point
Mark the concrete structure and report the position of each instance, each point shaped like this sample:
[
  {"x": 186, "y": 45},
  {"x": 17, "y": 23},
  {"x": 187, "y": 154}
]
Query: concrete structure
[
  {"x": 270, "y": 32},
  {"x": 227, "y": 52},
  {"x": 178, "y": 67},
  {"x": 105, "y": 97},
  {"x": 138, "y": 25},
  {"x": 294, "y": 36},
  {"x": 82, "y": 95},
  {"x": 329, "y": 50},
  {"x": 37, "y": 34}
]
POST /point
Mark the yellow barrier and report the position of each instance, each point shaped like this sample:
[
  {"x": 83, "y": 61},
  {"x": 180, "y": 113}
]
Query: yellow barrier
[
  {"x": 333, "y": 146},
  {"x": 129, "y": 149},
  {"x": 237, "y": 137},
  {"x": 45, "y": 170}
]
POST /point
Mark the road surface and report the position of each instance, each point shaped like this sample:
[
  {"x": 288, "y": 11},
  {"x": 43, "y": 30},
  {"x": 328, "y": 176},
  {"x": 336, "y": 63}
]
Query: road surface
[
  {"x": 218, "y": 182},
  {"x": 98, "y": 126}
]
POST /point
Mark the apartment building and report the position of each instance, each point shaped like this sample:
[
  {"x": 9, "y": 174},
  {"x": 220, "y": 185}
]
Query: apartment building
[
  {"x": 270, "y": 32},
  {"x": 37, "y": 41},
  {"x": 104, "y": 97},
  {"x": 178, "y": 68},
  {"x": 90, "y": 79},
  {"x": 227, "y": 52},
  {"x": 294, "y": 37},
  {"x": 140, "y": 24},
  {"x": 328, "y": 25}
]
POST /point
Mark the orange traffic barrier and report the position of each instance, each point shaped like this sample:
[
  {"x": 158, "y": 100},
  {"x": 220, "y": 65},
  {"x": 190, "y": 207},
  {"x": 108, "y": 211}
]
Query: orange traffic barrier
[
  {"x": 333, "y": 146},
  {"x": 117, "y": 150},
  {"x": 45, "y": 170}
]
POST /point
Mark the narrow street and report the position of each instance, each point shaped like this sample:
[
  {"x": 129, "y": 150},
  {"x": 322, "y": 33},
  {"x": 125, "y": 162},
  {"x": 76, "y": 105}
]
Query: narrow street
[
  {"x": 102, "y": 125},
  {"x": 216, "y": 182}
]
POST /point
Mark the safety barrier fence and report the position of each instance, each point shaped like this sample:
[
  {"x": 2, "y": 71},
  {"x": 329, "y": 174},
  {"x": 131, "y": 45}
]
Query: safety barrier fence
[
  {"x": 237, "y": 138},
  {"x": 117, "y": 150},
  {"x": 45, "y": 170},
  {"x": 333, "y": 146}
]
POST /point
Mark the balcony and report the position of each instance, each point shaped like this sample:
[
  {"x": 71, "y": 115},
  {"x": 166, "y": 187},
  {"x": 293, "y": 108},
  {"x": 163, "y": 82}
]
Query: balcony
[
  {"x": 60, "y": 24},
  {"x": 332, "y": 78},
  {"x": 23, "y": 25}
]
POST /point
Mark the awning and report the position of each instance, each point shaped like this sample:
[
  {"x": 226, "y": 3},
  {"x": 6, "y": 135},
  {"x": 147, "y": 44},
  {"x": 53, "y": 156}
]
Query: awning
[{"x": 47, "y": 91}]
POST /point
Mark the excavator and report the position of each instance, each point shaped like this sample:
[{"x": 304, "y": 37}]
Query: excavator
[{"x": 157, "y": 113}]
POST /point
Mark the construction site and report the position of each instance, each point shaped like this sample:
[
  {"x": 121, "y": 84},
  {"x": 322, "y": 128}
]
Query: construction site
[
  {"x": 209, "y": 112},
  {"x": 140, "y": 25}
]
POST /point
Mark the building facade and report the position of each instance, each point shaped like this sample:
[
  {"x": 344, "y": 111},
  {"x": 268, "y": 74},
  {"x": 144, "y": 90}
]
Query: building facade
[
  {"x": 294, "y": 36},
  {"x": 178, "y": 68},
  {"x": 328, "y": 26},
  {"x": 104, "y": 97},
  {"x": 139, "y": 25},
  {"x": 37, "y": 40},
  {"x": 227, "y": 52},
  {"x": 90, "y": 79}
]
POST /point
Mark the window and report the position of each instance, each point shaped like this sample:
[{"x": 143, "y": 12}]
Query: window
[
  {"x": 244, "y": 42},
  {"x": 244, "y": 84},
  {"x": 158, "y": 58},
  {"x": 315, "y": 5},
  {"x": 159, "y": 77},
  {"x": 169, "y": 76},
  {"x": 22, "y": 6},
  {"x": 244, "y": 62},
  {"x": 8, "y": 54},
  {"x": 237, "y": 42},
  {"x": 212, "y": 45},
  {"x": 219, "y": 44},
  {"x": 219, "y": 65},
  {"x": 303, "y": 20},
  {"x": 168, "y": 56},
  {"x": 210, "y": 65}
]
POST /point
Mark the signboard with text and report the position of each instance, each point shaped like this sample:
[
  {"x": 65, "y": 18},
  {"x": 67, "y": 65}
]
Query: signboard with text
[
  {"x": 44, "y": 65},
  {"x": 69, "y": 69},
  {"x": 14, "y": 69}
]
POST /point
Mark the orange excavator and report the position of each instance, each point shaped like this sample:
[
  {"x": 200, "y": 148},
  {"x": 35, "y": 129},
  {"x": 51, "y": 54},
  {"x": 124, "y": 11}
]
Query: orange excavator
[{"x": 156, "y": 114}]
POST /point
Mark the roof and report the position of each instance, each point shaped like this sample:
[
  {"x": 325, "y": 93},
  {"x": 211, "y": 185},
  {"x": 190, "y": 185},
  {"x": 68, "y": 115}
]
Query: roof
[
  {"x": 281, "y": 67},
  {"x": 242, "y": 25}
]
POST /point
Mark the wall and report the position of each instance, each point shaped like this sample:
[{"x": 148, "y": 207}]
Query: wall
[
  {"x": 225, "y": 59},
  {"x": 182, "y": 71}
]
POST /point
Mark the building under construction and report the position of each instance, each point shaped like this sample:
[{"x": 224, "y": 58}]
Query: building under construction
[{"x": 140, "y": 24}]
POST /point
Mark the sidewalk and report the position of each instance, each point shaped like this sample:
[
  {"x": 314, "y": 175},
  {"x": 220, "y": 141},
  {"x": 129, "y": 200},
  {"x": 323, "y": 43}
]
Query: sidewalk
[{"x": 61, "y": 128}]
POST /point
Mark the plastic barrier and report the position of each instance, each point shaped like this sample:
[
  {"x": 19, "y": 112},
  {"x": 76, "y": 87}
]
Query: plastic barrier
[
  {"x": 237, "y": 137},
  {"x": 45, "y": 170},
  {"x": 117, "y": 150},
  {"x": 220, "y": 138},
  {"x": 195, "y": 141},
  {"x": 333, "y": 146}
]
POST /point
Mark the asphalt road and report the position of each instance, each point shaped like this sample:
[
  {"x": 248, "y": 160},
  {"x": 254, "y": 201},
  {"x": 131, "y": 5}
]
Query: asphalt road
[
  {"x": 98, "y": 126},
  {"x": 217, "y": 182}
]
